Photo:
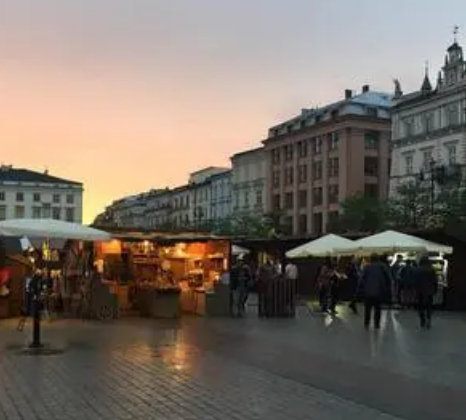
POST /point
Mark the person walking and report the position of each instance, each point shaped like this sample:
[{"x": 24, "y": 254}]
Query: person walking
[
  {"x": 425, "y": 285},
  {"x": 323, "y": 286},
  {"x": 375, "y": 286}
]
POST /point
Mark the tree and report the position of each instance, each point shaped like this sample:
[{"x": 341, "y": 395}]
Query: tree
[
  {"x": 253, "y": 226},
  {"x": 411, "y": 207},
  {"x": 361, "y": 213}
]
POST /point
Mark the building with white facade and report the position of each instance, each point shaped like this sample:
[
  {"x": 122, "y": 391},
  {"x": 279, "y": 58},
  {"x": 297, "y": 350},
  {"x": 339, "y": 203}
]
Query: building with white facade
[
  {"x": 158, "y": 210},
  {"x": 29, "y": 194},
  {"x": 181, "y": 214},
  {"x": 248, "y": 182},
  {"x": 129, "y": 211},
  {"x": 220, "y": 196},
  {"x": 429, "y": 126}
]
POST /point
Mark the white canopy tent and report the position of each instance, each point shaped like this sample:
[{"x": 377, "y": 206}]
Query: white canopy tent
[
  {"x": 51, "y": 229},
  {"x": 326, "y": 246},
  {"x": 237, "y": 250},
  {"x": 391, "y": 241}
]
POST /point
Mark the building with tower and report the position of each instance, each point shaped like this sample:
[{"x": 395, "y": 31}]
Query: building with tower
[{"x": 429, "y": 125}]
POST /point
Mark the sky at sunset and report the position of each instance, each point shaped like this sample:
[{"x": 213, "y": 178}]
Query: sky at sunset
[{"x": 128, "y": 95}]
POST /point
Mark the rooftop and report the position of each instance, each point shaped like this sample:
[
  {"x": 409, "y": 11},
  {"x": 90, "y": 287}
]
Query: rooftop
[
  {"x": 368, "y": 103},
  {"x": 11, "y": 174}
]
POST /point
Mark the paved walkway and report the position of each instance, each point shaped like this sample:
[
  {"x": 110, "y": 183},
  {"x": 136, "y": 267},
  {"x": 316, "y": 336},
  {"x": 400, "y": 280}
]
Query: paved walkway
[{"x": 310, "y": 368}]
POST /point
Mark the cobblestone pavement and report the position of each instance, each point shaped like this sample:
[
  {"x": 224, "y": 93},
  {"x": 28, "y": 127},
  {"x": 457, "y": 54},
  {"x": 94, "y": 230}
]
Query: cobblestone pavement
[{"x": 309, "y": 368}]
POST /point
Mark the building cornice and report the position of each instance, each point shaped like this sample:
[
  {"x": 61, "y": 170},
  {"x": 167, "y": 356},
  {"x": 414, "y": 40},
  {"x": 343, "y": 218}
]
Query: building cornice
[
  {"x": 420, "y": 138},
  {"x": 339, "y": 122}
]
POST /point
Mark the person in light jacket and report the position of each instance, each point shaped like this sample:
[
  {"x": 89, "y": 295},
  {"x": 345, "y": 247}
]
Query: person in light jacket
[{"x": 375, "y": 287}]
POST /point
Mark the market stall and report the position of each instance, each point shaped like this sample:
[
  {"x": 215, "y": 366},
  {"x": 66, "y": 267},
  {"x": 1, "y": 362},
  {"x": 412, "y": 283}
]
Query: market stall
[
  {"x": 403, "y": 249},
  {"x": 161, "y": 275}
]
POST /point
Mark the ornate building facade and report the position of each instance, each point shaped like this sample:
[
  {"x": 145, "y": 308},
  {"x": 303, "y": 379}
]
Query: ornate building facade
[{"x": 429, "y": 125}]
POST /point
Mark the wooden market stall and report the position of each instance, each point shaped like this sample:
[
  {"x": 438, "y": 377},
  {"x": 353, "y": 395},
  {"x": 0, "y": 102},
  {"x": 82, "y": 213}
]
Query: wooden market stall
[{"x": 162, "y": 275}]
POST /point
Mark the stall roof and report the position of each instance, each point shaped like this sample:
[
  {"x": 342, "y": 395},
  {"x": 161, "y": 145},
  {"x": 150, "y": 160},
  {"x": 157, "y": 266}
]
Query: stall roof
[{"x": 135, "y": 236}]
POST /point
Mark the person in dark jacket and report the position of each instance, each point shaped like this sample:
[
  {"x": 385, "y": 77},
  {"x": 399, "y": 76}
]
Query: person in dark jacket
[
  {"x": 425, "y": 284},
  {"x": 375, "y": 287}
]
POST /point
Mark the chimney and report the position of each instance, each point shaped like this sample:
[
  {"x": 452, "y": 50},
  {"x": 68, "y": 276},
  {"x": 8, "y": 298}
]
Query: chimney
[
  {"x": 348, "y": 94},
  {"x": 365, "y": 88}
]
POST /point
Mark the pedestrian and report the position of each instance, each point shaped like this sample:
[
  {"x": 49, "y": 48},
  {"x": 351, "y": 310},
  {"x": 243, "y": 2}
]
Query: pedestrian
[
  {"x": 334, "y": 288},
  {"x": 375, "y": 287},
  {"x": 354, "y": 276},
  {"x": 425, "y": 285},
  {"x": 245, "y": 284},
  {"x": 323, "y": 286},
  {"x": 265, "y": 276}
]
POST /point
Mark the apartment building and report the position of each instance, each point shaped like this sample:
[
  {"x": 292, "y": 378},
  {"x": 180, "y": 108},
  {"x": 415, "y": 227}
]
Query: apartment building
[
  {"x": 34, "y": 195},
  {"x": 220, "y": 196},
  {"x": 248, "y": 182},
  {"x": 324, "y": 155}
]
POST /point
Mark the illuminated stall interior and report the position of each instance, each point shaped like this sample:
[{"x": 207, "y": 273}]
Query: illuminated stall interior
[{"x": 165, "y": 263}]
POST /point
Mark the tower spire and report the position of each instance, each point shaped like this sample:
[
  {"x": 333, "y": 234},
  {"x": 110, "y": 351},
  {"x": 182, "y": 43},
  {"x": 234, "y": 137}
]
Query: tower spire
[
  {"x": 426, "y": 85},
  {"x": 456, "y": 30}
]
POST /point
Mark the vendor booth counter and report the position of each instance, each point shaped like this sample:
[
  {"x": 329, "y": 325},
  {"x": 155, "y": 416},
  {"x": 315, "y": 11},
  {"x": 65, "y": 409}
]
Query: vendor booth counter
[
  {"x": 211, "y": 303},
  {"x": 158, "y": 303},
  {"x": 169, "y": 275}
]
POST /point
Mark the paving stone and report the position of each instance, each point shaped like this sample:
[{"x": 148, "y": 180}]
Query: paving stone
[{"x": 228, "y": 369}]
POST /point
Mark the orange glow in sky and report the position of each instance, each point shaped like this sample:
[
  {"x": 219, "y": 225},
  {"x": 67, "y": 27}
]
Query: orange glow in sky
[{"x": 126, "y": 96}]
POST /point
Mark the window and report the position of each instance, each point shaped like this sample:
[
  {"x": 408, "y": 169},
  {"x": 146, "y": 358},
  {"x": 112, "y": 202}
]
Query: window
[
  {"x": 409, "y": 164},
  {"x": 333, "y": 140},
  {"x": 302, "y": 221},
  {"x": 19, "y": 212},
  {"x": 36, "y": 212},
  {"x": 317, "y": 145},
  {"x": 246, "y": 199},
  {"x": 20, "y": 196},
  {"x": 317, "y": 196},
  {"x": 47, "y": 211},
  {"x": 302, "y": 149},
  {"x": 276, "y": 156},
  {"x": 333, "y": 194},
  {"x": 259, "y": 198},
  {"x": 452, "y": 115},
  {"x": 276, "y": 202},
  {"x": 289, "y": 176},
  {"x": 371, "y": 140},
  {"x": 289, "y": 200},
  {"x": 451, "y": 154},
  {"x": 302, "y": 199},
  {"x": 70, "y": 199},
  {"x": 2, "y": 212},
  {"x": 36, "y": 197},
  {"x": 288, "y": 153},
  {"x": 333, "y": 217},
  {"x": 317, "y": 221},
  {"x": 429, "y": 122},
  {"x": 371, "y": 166},
  {"x": 333, "y": 167},
  {"x": 426, "y": 158},
  {"x": 371, "y": 190},
  {"x": 371, "y": 111},
  {"x": 409, "y": 127},
  {"x": 56, "y": 198},
  {"x": 70, "y": 215},
  {"x": 317, "y": 171},
  {"x": 56, "y": 213},
  {"x": 276, "y": 179},
  {"x": 2, "y": 195},
  {"x": 302, "y": 174}
]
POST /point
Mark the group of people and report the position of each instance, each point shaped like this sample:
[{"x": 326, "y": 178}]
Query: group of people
[
  {"x": 375, "y": 282},
  {"x": 244, "y": 278}
]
